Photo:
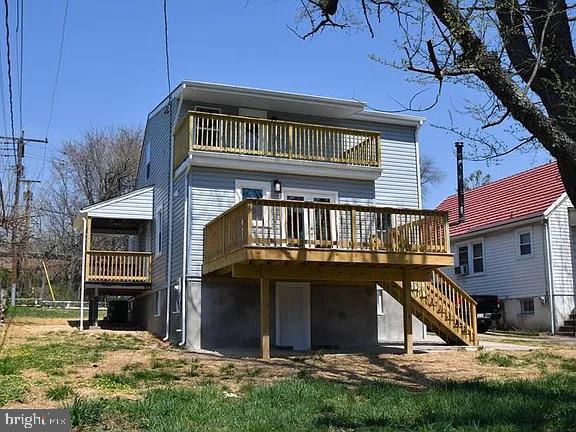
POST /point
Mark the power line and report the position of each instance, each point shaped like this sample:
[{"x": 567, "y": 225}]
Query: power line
[
  {"x": 20, "y": 31},
  {"x": 7, "y": 25},
  {"x": 57, "y": 71}
]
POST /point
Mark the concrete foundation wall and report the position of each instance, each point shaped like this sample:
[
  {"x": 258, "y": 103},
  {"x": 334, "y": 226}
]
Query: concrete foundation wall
[
  {"x": 341, "y": 315},
  {"x": 391, "y": 322},
  {"x": 514, "y": 318},
  {"x": 144, "y": 313}
]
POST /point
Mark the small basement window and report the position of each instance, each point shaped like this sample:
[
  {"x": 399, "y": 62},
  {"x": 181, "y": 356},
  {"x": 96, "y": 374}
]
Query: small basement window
[
  {"x": 157, "y": 303},
  {"x": 379, "y": 301},
  {"x": 527, "y": 306}
]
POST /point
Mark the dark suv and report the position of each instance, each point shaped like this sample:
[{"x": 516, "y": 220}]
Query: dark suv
[{"x": 487, "y": 311}]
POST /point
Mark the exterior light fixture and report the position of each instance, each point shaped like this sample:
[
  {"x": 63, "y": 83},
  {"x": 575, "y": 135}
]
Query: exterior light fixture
[{"x": 277, "y": 186}]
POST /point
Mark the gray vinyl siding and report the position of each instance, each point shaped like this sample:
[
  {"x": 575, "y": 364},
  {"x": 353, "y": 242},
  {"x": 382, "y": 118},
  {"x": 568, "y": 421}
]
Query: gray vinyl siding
[
  {"x": 179, "y": 194},
  {"x": 136, "y": 206},
  {"x": 157, "y": 136},
  {"x": 506, "y": 273},
  {"x": 561, "y": 249},
  {"x": 398, "y": 184},
  {"x": 212, "y": 192}
]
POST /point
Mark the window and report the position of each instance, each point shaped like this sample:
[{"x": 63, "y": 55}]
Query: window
[
  {"x": 525, "y": 240},
  {"x": 478, "y": 257},
  {"x": 246, "y": 189},
  {"x": 147, "y": 159},
  {"x": 156, "y": 303},
  {"x": 470, "y": 258},
  {"x": 177, "y": 293},
  {"x": 159, "y": 227},
  {"x": 379, "y": 301},
  {"x": 462, "y": 267},
  {"x": 527, "y": 306}
]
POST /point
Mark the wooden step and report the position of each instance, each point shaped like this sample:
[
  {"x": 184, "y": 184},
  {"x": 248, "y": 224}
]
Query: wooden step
[{"x": 442, "y": 315}]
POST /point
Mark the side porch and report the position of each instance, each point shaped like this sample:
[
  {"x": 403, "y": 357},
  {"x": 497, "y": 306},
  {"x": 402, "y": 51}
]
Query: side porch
[{"x": 116, "y": 257}]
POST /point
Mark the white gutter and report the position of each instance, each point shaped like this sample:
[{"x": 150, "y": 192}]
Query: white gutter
[
  {"x": 83, "y": 273},
  {"x": 170, "y": 199},
  {"x": 184, "y": 260},
  {"x": 550, "y": 273}
]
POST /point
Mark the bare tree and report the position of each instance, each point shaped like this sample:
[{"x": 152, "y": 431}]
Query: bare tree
[
  {"x": 430, "y": 173},
  {"x": 476, "y": 179},
  {"x": 518, "y": 56},
  {"x": 100, "y": 165}
]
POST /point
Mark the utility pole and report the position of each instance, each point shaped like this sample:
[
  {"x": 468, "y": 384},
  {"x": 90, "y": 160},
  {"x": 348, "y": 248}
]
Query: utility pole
[
  {"x": 25, "y": 233},
  {"x": 20, "y": 151}
]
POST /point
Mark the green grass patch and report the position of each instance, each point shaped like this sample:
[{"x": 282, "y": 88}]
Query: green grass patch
[
  {"x": 497, "y": 359},
  {"x": 132, "y": 378},
  {"x": 59, "y": 392},
  {"x": 12, "y": 388},
  {"x": 546, "y": 404},
  {"x": 41, "y": 312}
]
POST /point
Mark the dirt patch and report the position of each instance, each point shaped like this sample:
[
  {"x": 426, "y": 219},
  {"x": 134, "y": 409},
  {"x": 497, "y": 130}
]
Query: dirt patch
[{"x": 129, "y": 372}]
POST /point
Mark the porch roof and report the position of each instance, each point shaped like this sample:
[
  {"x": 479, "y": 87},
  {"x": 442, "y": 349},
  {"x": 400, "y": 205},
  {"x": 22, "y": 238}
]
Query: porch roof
[{"x": 135, "y": 205}]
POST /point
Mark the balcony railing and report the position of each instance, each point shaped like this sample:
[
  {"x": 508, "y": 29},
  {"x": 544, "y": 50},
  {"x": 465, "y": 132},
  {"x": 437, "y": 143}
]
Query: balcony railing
[
  {"x": 118, "y": 266},
  {"x": 314, "y": 225},
  {"x": 275, "y": 138}
]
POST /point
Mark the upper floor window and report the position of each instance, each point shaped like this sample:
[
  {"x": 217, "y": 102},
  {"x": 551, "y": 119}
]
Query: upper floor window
[
  {"x": 147, "y": 159},
  {"x": 159, "y": 228},
  {"x": 470, "y": 258},
  {"x": 525, "y": 243}
]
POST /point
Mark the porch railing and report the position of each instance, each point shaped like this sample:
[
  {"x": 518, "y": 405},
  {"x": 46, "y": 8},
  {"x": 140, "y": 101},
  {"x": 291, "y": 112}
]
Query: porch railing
[
  {"x": 118, "y": 266},
  {"x": 275, "y": 138},
  {"x": 300, "y": 224}
]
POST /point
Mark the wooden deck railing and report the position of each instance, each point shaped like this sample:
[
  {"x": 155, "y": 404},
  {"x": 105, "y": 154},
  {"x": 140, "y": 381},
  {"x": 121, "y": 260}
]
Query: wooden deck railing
[
  {"x": 275, "y": 138},
  {"x": 118, "y": 266},
  {"x": 450, "y": 302},
  {"x": 299, "y": 224}
]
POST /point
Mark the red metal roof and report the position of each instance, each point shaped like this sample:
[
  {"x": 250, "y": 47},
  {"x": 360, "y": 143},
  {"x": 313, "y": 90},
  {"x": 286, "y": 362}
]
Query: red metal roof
[{"x": 520, "y": 196}]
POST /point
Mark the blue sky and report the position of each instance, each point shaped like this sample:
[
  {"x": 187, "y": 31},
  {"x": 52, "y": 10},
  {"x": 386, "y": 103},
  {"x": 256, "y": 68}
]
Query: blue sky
[{"x": 113, "y": 68}]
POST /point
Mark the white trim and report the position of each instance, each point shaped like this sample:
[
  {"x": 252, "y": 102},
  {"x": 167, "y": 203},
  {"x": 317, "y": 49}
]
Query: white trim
[
  {"x": 316, "y": 193},
  {"x": 116, "y": 199},
  {"x": 418, "y": 176},
  {"x": 279, "y": 165},
  {"x": 379, "y": 301},
  {"x": 82, "y": 283},
  {"x": 469, "y": 244},
  {"x": 549, "y": 273},
  {"x": 555, "y": 204},
  {"x": 518, "y": 233}
]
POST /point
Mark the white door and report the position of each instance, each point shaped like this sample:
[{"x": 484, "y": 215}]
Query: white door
[
  {"x": 312, "y": 227},
  {"x": 293, "y": 315}
]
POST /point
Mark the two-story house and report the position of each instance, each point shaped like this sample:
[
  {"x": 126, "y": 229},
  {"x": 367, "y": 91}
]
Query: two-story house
[
  {"x": 263, "y": 218},
  {"x": 518, "y": 241}
]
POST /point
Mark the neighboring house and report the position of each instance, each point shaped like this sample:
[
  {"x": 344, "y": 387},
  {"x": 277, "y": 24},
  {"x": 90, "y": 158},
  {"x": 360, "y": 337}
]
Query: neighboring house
[
  {"x": 518, "y": 241},
  {"x": 269, "y": 219}
]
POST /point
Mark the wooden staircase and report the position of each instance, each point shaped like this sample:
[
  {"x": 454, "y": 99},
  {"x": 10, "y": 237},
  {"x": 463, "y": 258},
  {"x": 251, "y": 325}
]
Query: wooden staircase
[{"x": 443, "y": 306}]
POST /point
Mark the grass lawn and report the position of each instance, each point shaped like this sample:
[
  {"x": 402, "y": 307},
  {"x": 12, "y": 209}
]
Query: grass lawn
[
  {"x": 130, "y": 381},
  {"x": 42, "y": 312},
  {"x": 545, "y": 404}
]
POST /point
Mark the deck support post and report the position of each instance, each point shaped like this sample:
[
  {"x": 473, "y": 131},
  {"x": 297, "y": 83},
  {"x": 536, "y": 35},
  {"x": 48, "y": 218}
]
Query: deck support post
[
  {"x": 407, "y": 303},
  {"x": 265, "y": 318}
]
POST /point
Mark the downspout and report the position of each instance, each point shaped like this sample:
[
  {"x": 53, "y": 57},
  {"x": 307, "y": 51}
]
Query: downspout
[
  {"x": 83, "y": 273},
  {"x": 170, "y": 199},
  {"x": 184, "y": 258},
  {"x": 550, "y": 273}
]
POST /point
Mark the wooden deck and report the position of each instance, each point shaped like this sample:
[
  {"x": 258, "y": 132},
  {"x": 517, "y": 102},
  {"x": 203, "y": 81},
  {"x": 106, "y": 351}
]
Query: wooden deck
[
  {"x": 274, "y": 138},
  {"x": 325, "y": 240}
]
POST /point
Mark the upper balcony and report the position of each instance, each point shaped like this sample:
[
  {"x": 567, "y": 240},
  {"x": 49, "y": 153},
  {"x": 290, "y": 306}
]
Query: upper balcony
[{"x": 290, "y": 141}]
